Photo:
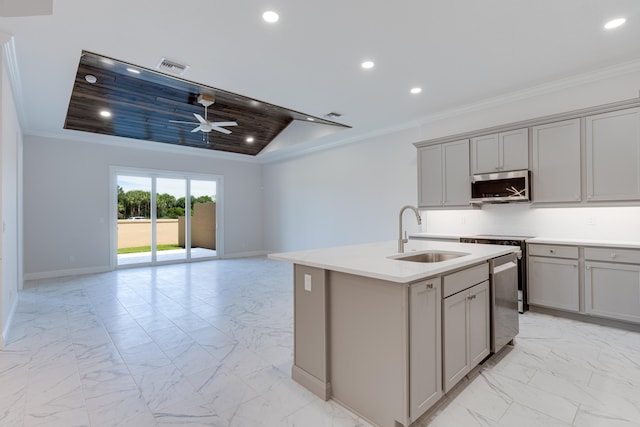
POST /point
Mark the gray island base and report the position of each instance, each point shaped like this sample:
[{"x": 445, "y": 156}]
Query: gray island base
[{"x": 384, "y": 337}]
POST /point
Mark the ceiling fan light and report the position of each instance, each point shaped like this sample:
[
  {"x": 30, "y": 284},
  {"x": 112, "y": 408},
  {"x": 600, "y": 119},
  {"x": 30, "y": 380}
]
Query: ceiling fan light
[
  {"x": 105, "y": 113},
  {"x": 249, "y": 140}
]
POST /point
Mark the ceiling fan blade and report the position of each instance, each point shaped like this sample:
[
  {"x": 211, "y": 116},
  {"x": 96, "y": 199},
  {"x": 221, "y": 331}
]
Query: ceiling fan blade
[
  {"x": 179, "y": 121},
  {"x": 200, "y": 118},
  {"x": 196, "y": 130},
  {"x": 222, "y": 130},
  {"x": 224, "y": 124}
]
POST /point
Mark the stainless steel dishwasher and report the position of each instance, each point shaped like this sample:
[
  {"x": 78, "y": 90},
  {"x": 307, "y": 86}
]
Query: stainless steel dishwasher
[{"x": 504, "y": 300}]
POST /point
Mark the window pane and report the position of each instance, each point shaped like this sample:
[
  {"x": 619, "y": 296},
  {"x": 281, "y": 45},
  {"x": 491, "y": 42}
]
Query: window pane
[
  {"x": 170, "y": 221},
  {"x": 134, "y": 219}
]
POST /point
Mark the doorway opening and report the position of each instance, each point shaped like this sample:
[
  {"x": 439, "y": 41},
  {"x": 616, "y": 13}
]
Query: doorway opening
[{"x": 164, "y": 217}]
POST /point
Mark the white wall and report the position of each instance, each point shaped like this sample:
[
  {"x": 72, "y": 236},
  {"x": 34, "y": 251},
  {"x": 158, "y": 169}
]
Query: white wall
[
  {"x": 10, "y": 146},
  {"x": 350, "y": 194},
  {"x": 353, "y": 193},
  {"x": 66, "y": 201}
]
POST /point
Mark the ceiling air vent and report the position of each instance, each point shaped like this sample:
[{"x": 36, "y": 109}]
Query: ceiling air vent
[
  {"x": 332, "y": 115},
  {"x": 172, "y": 67}
]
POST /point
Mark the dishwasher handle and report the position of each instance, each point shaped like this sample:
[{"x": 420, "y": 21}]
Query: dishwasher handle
[{"x": 499, "y": 269}]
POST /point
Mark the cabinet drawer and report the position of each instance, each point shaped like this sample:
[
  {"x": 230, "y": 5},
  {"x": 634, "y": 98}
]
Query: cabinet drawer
[
  {"x": 631, "y": 256},
  {"x": 456, "y": 282},
  {"x": 554, "y": 251}
]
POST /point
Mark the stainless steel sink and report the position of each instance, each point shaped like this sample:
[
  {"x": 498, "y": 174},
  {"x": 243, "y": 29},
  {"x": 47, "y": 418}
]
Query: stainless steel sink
[{"x": 429, "y": 256}]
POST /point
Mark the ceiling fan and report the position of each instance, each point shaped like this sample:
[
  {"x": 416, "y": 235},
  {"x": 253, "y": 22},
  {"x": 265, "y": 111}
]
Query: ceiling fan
[{"x": 203, "y": 124}]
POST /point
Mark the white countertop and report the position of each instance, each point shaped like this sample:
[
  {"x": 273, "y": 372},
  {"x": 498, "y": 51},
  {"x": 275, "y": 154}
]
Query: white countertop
[
  {"x": 372, "y": 259},
  {"x": 631, "y": 244}
]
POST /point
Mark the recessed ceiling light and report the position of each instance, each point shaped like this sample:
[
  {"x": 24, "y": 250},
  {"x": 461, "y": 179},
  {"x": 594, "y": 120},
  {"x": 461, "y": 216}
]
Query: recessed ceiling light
[
  {"x": 415, "y": 90},
  {"x": 311, "y": 119},
  {"x": 270, "y": 16},
  {"x": 614, "y": 23},
  {"x": 249, "y": 139},
  {"x": 133, "y": 70},
  {"x": 91, "y": 78},
  {"x": 367, "y": 64},
  {"x": 105, "y": 113}
]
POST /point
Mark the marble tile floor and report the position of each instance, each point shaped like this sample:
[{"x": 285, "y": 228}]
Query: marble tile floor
[{"x": 210, "y": 344}]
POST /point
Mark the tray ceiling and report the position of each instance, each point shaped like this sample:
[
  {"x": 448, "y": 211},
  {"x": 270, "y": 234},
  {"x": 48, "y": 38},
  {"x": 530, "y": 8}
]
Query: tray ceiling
[{"x": 143, "y": 102}]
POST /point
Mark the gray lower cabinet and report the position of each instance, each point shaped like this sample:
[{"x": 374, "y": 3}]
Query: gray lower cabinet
[
  {"x": 425, "y": 348},
  {"x": 554, "y": 283},
  {"x": 466, "y": 333},
  {"x": 612, "y": 283}
]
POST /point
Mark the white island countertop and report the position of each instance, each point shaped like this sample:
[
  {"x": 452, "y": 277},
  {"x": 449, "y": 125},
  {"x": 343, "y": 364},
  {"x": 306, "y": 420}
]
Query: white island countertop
[{"x": 373, "y": 259}]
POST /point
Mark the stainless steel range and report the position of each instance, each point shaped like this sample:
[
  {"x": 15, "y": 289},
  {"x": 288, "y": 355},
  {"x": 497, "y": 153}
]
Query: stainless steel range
[{"x": 522, "y": 261}]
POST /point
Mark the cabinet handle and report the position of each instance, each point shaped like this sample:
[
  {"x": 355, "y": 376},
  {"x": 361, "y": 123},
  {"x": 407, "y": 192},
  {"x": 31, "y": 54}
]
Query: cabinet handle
[
  {"x": 429, "y": 285},
  {"x": 552, "y": 251},
  {"x": 471, "y": 297}
]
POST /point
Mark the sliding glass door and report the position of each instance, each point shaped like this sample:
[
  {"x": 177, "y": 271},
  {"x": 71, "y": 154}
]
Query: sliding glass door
[{"x": 164, "y": 217}]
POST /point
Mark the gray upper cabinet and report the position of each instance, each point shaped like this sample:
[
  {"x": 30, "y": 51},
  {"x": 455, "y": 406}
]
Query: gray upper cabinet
[
  {"x": 443, "y": 174},
  {"x": 504, "y": 151},
  {"x": 430, "y": 179},
  {"x": 613, "y": 155},
  {"x": 556, "y": 162}
]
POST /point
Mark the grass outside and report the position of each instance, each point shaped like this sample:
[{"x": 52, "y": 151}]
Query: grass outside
[{"x": 147, "y": 249}]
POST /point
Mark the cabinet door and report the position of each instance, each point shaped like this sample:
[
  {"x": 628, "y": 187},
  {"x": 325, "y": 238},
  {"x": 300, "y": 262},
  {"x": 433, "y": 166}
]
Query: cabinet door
[
  {"x": 612, "y": 290},
  {"x": 479, "y": 319},
  {"x": 514, "y": 150},
  {"x": 485, "y": 152},
  {"x": 554, "y": 283},
  {"x": 430, "y": 173},
  {"x": 455, "y": 344},
  {"x": 556, "y": 162},
  {"x": 457, "y": 185},
  {"x": 425, "y": 351},
  {"x": 613, "y": 155}
]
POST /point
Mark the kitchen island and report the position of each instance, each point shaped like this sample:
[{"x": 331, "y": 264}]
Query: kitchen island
[{"x": 386, "y": 337}]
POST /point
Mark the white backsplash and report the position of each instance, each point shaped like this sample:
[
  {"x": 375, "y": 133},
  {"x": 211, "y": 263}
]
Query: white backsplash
[{"x": 609, "y": 223}]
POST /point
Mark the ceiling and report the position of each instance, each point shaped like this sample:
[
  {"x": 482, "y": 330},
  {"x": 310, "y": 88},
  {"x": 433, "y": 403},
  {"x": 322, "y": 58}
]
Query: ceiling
[{"x": 460, "y": 52}]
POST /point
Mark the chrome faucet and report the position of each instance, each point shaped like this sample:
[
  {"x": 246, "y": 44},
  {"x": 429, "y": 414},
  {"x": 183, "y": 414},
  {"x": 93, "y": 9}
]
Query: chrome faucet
[{"x": 401, "y": 240}]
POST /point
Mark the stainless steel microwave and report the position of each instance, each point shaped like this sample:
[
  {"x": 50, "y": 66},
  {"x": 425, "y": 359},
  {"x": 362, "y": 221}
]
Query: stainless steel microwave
[{"x": 501, "y": 187}]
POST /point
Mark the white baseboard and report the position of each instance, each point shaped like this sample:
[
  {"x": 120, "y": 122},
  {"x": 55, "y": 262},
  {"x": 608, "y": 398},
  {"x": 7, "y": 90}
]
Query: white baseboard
[
  {"x": 63, "y": 273},
  {"x": 245, "y": 254}
]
